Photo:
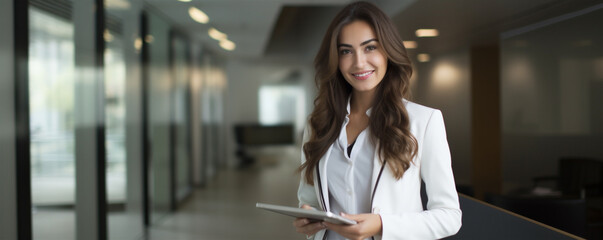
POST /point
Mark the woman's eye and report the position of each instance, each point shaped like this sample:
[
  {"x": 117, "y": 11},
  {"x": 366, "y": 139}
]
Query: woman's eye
[
  {"x": 371, "y": 48},
  {"x": 344, "y": 51}
]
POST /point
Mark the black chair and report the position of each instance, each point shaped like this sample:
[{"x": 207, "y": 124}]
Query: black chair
[
  {"x": 577, "y": 177},
  {"x": 256, "y": 135},
  {"x": 567, "y": 214},
  {"x": 465, "y": 189}
]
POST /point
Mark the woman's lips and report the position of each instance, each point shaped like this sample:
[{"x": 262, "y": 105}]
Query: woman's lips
[{"x": 363, "y": 75}]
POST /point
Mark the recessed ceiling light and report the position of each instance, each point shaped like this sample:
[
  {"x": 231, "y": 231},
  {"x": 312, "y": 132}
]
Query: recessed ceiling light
[
  {"x": 184, "y": 0},
  {"x": 215, "y": 34},
  {"x": 138, "y": 43},
  {"x": 118, "y": 4},
  {"x": 149, "y": 38},
  {"x": 423, "y": 57},
  {"x": 427, "y": 33},
  {"x": 227, "y": 44},
  {"x": 410, "y": 44},
  {"x": 198, "y": 15}
]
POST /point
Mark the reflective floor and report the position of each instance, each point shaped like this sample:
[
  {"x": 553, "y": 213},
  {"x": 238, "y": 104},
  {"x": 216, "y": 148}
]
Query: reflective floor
[{"x": 225, "y": 209}]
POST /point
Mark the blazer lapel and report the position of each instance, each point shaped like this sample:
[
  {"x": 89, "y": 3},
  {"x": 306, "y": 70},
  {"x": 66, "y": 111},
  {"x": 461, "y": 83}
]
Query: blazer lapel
[
  {"x": 378, "y": 169},
  {"x": 323, "y": 184}
]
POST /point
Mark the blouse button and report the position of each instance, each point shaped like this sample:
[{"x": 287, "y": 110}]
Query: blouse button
[{"x": 376, "y": 210}]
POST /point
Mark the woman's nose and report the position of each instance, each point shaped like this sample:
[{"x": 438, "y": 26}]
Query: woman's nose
[{"x": 360, "y": 60}]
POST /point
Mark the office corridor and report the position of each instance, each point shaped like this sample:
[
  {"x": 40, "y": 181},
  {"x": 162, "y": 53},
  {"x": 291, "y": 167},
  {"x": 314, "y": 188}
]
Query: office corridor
[
  {"x": 225, "y": 209},
  {"x": 114, "y": 112}
]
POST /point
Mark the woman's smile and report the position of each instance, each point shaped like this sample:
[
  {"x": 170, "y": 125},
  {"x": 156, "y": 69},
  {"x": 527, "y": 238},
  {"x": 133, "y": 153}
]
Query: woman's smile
[{"x": 363, "y": 75}]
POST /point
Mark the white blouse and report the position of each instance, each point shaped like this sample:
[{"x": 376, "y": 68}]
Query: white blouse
[{"x": 350, "y": 176}]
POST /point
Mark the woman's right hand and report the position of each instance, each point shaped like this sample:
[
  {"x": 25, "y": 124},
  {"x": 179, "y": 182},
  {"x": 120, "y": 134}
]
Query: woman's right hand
[{"x": 303, "y": 225}]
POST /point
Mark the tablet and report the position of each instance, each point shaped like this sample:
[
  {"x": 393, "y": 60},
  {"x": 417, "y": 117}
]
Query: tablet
[{"x": 315, "y": 215}]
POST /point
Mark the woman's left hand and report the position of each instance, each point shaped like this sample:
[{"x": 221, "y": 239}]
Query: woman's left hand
[{"x": 367, "y": 225}]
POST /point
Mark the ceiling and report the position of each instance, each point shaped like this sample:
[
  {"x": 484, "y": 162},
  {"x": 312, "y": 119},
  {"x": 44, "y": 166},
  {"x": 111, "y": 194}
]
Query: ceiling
[{"x": 294, "y": 28}]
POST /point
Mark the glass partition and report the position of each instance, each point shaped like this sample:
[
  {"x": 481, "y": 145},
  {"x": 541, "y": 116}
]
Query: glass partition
[
  {"x": 51, "y": 97},
  {"x": 551, "y": 95},
  {"x": 115, "y": 117},
  {"x": 212, "y": 115},
  {"x": 552, "y": 115},
  {"x": 182, "y": 116},
  {"x": 122, "y": 123},
  {"x": 159, "y": 117},
  {"x": 123, "y": 120}
]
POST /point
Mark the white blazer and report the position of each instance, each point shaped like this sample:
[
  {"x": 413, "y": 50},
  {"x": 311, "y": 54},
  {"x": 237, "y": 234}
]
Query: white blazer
[{"x": 398, "y": 202}]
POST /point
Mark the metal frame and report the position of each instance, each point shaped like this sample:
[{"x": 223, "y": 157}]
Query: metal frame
[
  {"x": 23, "y": 155},
  {"x": 145, "y": 119},
  {"x": 101, "y": 158}
]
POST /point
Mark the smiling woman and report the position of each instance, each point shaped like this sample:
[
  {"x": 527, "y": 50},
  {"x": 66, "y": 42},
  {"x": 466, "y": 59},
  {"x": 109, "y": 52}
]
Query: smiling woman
[
  {"x": 367, "y": 148},
  {"x": 362, "y": 62}
]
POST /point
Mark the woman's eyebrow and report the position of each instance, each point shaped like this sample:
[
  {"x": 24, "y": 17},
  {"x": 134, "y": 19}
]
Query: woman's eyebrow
[
  {"x": 361, "y": 44},
  {"x": 368, "y": 41}
]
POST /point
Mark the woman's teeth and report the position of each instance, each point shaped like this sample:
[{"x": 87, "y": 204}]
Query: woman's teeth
[{"x": 363, "y": 74}]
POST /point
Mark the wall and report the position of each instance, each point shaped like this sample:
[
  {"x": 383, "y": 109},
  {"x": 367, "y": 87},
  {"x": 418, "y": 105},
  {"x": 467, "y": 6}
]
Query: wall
[
  {"x": 444, "y": 83},
  {"x": 8, "y": 214}
]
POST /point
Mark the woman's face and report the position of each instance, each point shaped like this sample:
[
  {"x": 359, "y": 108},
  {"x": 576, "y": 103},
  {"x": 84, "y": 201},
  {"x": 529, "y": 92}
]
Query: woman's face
[{"x": 362, "y": 61}]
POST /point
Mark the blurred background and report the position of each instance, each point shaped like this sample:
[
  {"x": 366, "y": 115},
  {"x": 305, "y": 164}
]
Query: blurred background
[{"x": 169, "y": 119}]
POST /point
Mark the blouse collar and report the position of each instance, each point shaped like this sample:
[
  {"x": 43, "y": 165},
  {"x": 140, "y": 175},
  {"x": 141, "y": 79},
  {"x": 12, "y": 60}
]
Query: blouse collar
[{"x": 368, "y": 111}]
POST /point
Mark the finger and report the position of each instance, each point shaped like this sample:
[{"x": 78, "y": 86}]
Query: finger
[
  {"x": 333, "y": 226},
  {"x": 316, "y": 227},
  {"x": 306, "y": 206},
  {"x": 300, "y": 222},
  {"x": 355, "y": 217},
  {"x": 310, "y": 229},
  {"x": 347, "y": 231}
]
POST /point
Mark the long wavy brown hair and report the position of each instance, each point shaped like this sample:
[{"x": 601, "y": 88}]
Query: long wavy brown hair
[{"x": 389, "y": 124}]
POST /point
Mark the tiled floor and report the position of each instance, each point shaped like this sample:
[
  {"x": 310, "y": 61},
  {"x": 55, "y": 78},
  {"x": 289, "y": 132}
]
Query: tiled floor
[{"x": 226, "y": 208}]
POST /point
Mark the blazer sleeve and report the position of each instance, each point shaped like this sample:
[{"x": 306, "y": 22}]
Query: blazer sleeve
[
  {"x": 443, "y": 215},
  {"x": 306, "y": 194}
]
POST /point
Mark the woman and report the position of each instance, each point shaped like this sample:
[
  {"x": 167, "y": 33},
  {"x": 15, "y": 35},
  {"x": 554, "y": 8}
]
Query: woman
[{"x": 366, "y": 148}]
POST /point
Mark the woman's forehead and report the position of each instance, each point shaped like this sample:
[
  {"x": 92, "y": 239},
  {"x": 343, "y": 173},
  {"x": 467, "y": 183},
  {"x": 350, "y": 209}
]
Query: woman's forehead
[{"x": 356, "y": 33}]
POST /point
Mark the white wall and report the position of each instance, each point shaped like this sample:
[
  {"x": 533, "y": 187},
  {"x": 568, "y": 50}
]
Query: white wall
[
  {"x": 245, "y": 77},
  {"x": 444, "y": 83},
  {"x": 8, "y": 207}
]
